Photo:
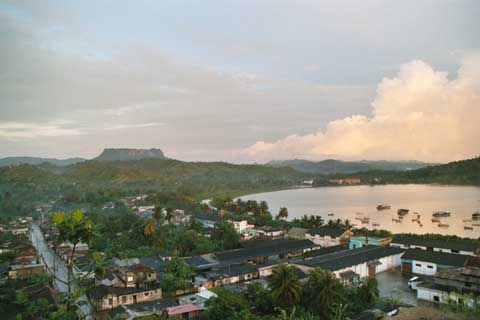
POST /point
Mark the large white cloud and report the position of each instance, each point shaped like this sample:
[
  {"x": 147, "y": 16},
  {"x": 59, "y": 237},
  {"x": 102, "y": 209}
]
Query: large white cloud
[{"x": 420, "y": 114}]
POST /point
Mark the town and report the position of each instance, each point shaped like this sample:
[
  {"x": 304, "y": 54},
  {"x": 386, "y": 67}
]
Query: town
[{"x": 43, "y": 261}]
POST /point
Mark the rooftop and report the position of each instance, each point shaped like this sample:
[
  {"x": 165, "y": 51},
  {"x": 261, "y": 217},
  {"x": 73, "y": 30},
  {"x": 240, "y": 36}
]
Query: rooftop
[
  {"x": 453, "y": 244},
  {"x": 348, "y": 258},
  {"x": 326, "y": 231},
  {"x": 186, "y": 308},
  {"x": 443, "y": 258}
]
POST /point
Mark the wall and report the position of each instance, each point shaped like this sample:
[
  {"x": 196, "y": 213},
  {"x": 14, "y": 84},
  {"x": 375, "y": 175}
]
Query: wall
[
  {"x": 153, "y": 294},
  {"x": 425, "y": 268}
]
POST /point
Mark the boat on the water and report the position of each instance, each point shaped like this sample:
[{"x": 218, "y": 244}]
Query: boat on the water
[
  {"x": 359, "y": 213},
  {"x": 402, "y": 212},
  {"x": 443, "y": 225},
  {"x": 397, "y": 220},
  {"x": 467, "y": 220},
  {"x": 383, "y": 207},
  {"x": 467, "y": 228},
  {"x": 476, "y": 224},
  {"x": 331, "y": 214},
  {"x": 435, "y": 220},
  {"x": 441, "y": 214},
  {"x": 476, "y": 216},
  {"x": 375, "y": 224}
]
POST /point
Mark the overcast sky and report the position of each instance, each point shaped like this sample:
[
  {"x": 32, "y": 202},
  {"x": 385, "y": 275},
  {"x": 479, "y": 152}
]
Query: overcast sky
[{"x": 241, "y": 81}]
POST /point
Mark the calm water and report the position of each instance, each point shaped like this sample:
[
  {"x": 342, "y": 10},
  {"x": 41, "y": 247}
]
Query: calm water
[{"x": 345, "y": 202}]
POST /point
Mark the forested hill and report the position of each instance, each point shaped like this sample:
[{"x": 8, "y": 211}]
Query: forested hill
[
  {"x": 93, "y": 182},
  {"x": 332, "y": 166},
  {"x": 464, "y": 172}
]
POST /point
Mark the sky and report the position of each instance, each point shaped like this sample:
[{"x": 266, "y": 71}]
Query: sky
[{"x": 241, "y": 81}]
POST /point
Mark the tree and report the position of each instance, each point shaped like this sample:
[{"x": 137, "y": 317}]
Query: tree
[
  {"x": 225, "y": 235},
  {"x": 177, "y": 275},
  {"x": 227, "y": 305},
  {"x": 158, "y": 214},
  {"x": 368, "y": 292},
  {"x": 283, "y": 213},
  {"x": 169, "y": 215},
  {"x": 285, "y": 286},
  {"x": 73, "y": 228},
  {"x": 321, "y": 291},
  {"x": 149, "y": 227}
]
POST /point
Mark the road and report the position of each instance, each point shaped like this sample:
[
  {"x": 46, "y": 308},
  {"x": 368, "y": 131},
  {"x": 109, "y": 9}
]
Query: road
[{"x": 56, "y": 265}]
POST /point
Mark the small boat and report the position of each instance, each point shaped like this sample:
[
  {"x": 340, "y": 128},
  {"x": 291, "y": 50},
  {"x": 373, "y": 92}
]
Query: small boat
[
  {"x": 358, "y": 218},
  {"x": 467, "y": 228},
  {"x": 383, "y": 207},
  {"x": 443, "y": 225},
  {"x": 421, "y": 225},
  {"x": 375, "y": 224},
  {"x": 415, "y": 220},
  {"x": 359, "y": 213},
  {"x": 467, "y": 220},
  {"x": 435, "y": 220},
  {"x": 331, "y": 214},
  {"x": 476, "y": 224},
  {"x": 441, "y": 214},
  {"x": 365, "y": 221},
  {"x": 397, "y": 220},
  {"x": 476, "y": 216},
  {"x": 402, "y": 212}
]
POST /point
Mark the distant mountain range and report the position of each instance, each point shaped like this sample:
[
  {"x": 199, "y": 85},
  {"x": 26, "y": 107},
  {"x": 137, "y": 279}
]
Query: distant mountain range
[
  {"x": 332, "y": 166},
  {"x": 107, "y": 155},
  {"x": 10, "y": 161}
]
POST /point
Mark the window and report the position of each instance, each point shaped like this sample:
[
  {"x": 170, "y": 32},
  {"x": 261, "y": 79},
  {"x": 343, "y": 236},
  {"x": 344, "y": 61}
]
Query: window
[
  {"x": 418, "y": 265},
  {"x": 124, "y": 299},
  {"x": 436, "y": 298},
  {"x": 110, "y": 301},
  {"x": 455, "y": 251},
  {"x": 430, "y": 267},
  {"x": 147, "y": 293},
  {"x": 467, "y": 284}
]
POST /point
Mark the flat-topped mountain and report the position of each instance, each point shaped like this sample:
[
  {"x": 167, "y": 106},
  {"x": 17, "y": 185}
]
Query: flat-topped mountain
[{"x": 125, "y": 154}]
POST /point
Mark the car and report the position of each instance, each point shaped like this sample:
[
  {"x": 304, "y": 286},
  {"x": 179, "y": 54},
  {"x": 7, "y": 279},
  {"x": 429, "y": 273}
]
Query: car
[{"x": 413, "y": 282}]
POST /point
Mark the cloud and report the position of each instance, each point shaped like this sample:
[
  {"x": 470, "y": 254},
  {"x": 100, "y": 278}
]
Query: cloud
[
  {"x": 135, "y": 125},
  {"x": 16, "y": 131},
  {"x": 419, "y": 114}
]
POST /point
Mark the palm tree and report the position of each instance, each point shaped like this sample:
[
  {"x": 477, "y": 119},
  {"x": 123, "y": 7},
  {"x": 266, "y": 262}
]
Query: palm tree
[
  {"x": 149, "y": 227},
  {"x": 157, "y": 214},
  {"x": 285, "y": 286},
  {"x": 283, "y": 213},
  {"x": 322, "y": 291},
  {"x": 347, "y": 224},
  {"x": 368, "y": 292},
  {"x": 340, "y": 312},
  {"x": 169, "y": 215}
]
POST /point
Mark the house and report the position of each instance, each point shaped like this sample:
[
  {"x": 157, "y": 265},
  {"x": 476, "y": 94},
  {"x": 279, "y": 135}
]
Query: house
[
  {"x": 266, "y": 269},
  {"x": 179, "y": 216},
  {"x": 424, "y": 262},
  {"x": 186, "y": 311},
  {"x": 105, "y": 297},
  {"x": 364, "y": 262},
  {"x": 326, "y": 237},
  {"x": 363, "y": 241},
  {"x": 269, "y": 232},
  {"x": 208, "y": 220},
  {"x": 199, "y": 299},
  {"x": 136, "y": 276},
  {"x": 231, "y": 273},
  {"x": 460, "y": 285},
  {"x": 431, "y": 243},
  {"x": 346, "y": 181},
  {"x": 148, "y": 308},
  {"x": 241, "y": 225},
  {"x": 24, "y": 271}
]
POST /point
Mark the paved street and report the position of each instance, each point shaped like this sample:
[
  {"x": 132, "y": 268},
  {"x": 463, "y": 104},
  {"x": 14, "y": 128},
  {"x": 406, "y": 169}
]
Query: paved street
[
  {"x": 55, "y": 264},
  {"x": 393, "y": 284}
]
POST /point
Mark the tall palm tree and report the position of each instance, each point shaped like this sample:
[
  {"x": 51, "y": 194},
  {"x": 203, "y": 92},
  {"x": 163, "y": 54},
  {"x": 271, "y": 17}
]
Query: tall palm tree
[
  {"x": 169, "y": 215},
  {"x": 157, "y": 214},
  {"x": 348, "y": 224},
  {"x": 322, "y": 291},
  {"x": 149, "y": 227},
  {"x": 285, "y": 286}
]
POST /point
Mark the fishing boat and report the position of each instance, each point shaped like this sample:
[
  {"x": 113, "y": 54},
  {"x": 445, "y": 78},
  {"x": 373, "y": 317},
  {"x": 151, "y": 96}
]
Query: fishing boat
[
  {"x": 467, "y": 220},
  {"x": 331, "y": 214},
  {"x": 358, "y": 218},
  {"x": 359, "y": 213},
  {"x": 476, "y": 216},
  {"x": 467, "y": 228},
  {"x": 421, "y": 225},
  {"x": 441, "y": 214},
  {"x": 402, "y": 212},
  {"x": 435, "y": 220},
  {"x": 397, "y": 220},
  {"x": 443, "y": 225},
  {"x": 383, "y": 207},
  {"x": 375, "y": 224},
  {"x": 476, "y": 224}
]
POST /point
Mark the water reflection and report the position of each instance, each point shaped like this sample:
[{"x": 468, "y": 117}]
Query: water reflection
[{"x": 349, "y": 202}]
